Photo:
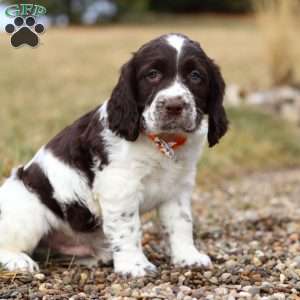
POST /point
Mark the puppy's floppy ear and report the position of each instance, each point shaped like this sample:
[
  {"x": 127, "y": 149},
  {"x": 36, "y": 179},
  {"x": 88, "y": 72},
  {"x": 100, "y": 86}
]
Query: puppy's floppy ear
[
  {"x": 217, "y": 120},
  {"x": 122, "y": 108}
]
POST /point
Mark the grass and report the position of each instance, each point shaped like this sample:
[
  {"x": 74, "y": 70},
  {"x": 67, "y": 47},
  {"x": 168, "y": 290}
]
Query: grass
[
  {"x": 256, "y": 141},
  {"x": 44, "y": 89}
]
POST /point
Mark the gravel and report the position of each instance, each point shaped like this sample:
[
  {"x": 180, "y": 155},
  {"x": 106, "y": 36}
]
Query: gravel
[{"x": 250, "y": 227}]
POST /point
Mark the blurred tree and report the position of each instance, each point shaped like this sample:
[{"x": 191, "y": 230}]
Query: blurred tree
[
  {"x": 59, "y": 7},
  {"x": 189, "y": 6},
  {"x": 73, "y": 9},
  {"x": 132, "y": 6}
]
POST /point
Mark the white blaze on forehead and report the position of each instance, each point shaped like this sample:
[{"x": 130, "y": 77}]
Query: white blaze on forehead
[
  {"x": 174, "y": 90},
  {"x": 176, "y": 41}
]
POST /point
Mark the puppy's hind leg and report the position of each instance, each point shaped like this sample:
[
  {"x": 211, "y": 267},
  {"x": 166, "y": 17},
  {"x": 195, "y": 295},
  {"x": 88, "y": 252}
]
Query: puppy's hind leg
[
  {"x": 102, "y": 253},
  {"x": 23, "y": 222}
]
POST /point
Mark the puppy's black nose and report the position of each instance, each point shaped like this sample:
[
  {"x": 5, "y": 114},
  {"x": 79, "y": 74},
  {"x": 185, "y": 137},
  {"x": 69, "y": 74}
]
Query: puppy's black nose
[{"x": 174, "y": 106}]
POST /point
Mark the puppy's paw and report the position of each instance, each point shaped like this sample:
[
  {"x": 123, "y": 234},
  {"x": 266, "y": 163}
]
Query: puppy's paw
[
  {"x": 192, "y": 257},
  {"x": 135, "y": 267},
  {"x": 17, "y": 262}
]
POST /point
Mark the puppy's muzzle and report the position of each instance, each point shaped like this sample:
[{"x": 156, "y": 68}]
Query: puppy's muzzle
[{"x": 174, "y": 106}]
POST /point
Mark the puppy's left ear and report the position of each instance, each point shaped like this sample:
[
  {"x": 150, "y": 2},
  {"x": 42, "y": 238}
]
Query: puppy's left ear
[
  {"x": 122, "y": 108},
  {"x": 217, "y": 119}
]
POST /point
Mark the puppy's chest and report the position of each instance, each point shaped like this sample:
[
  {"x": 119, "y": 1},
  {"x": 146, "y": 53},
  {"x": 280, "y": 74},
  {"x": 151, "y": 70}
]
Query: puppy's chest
[
  {"x": 161, "y": 183},
  {"x": 139, "y": 171}
]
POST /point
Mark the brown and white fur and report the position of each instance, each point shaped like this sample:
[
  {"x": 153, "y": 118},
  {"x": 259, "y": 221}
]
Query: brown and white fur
[{"x": 83, "y": 192}]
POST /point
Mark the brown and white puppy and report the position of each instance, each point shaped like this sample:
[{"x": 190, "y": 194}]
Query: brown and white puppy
[{"x": 83, "y": 192}]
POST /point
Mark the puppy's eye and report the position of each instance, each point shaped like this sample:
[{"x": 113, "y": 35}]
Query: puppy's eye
[
  {"x": 153, "y": 75},
  {"x": 195, "y": 76}
]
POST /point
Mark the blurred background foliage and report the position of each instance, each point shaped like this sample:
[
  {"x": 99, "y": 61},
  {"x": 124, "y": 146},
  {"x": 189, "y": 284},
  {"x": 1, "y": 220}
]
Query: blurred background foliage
[
  {"x": 193, "y": 6},
  {"x": 74, "y": 9},
  {"x": 184, "y": 6}
]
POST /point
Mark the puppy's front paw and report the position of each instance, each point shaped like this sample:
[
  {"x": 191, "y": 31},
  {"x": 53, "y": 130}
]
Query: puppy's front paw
[
  {"x": 17, "y": 262},
  {"x": 191, "y": 257},
  {"x": 135, "y": 267}
]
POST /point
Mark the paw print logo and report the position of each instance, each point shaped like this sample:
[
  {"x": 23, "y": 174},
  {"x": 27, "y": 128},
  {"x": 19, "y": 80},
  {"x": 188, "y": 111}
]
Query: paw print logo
[{"x": 24, "y": 34}]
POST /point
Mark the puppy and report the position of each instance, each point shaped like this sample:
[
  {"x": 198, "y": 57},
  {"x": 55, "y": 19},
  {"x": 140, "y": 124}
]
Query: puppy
[{"x": 83, "y": 192}]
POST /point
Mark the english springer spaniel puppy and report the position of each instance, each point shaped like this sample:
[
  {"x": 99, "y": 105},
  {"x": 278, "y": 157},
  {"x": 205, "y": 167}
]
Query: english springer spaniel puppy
[{"x": 83, "y": 192}]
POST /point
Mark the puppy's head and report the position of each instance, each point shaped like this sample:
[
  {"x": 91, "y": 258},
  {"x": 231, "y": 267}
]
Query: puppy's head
[{"x": 167, "y": 87}]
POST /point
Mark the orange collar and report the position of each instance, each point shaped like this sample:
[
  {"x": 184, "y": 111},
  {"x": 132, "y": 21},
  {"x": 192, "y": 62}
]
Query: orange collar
[{"x": 166, "y": 144}]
